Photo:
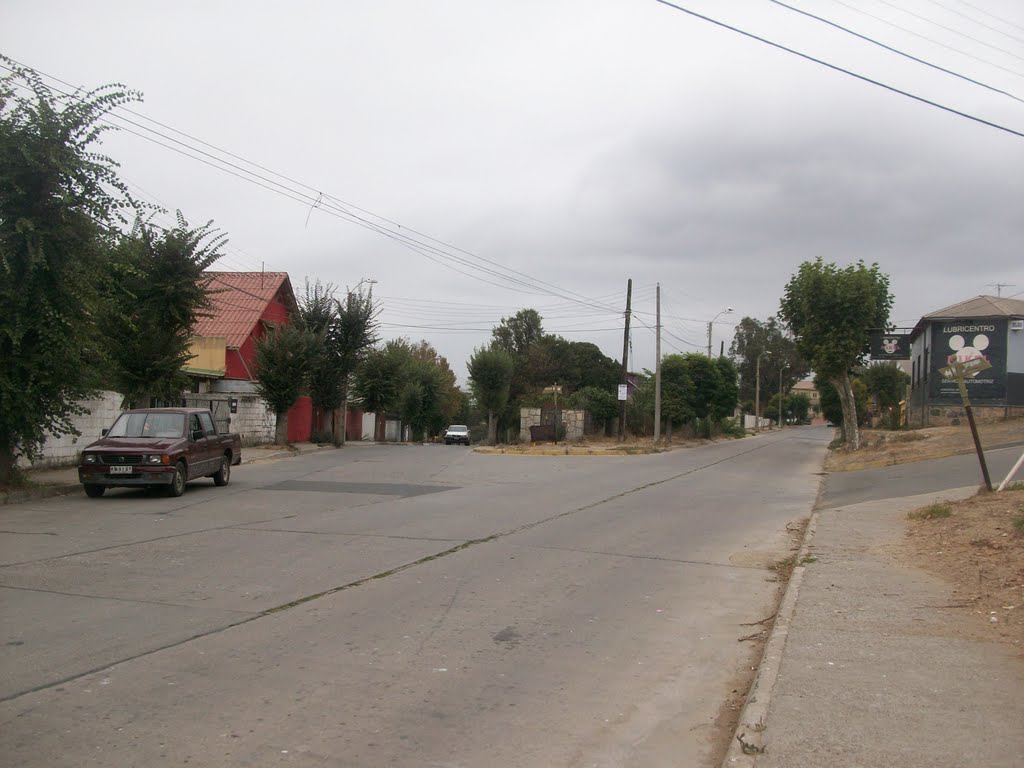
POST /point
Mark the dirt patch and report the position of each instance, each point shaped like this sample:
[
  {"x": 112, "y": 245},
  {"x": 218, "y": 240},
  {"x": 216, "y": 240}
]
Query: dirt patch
[
  {"x": 978, "y": 545},
  {"x": 881, "y": 448}
]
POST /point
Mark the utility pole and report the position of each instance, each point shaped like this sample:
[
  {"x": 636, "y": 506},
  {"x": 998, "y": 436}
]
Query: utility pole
[
  {"x": 625, "y": 360},
  {"x": 757, "y": 394},
  {"x": 657, "y": 365}
]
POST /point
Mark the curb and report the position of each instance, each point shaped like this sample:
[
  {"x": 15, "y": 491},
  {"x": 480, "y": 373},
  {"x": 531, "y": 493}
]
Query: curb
[{"x": 754, "y": 715}]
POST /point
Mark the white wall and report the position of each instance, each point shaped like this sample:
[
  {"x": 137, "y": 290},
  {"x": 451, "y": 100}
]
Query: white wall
[{"x": 103, "y": 410}]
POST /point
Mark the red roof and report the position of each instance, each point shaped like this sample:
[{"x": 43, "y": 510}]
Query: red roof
[{"x": 238, "y": 301}]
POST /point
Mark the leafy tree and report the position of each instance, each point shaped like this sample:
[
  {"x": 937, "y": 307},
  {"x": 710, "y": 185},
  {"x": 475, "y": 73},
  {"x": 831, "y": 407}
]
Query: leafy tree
[
  {"x": 451, "y": 396},
  {"x": 640, "y": 407},
  {"x": 318, "y": 314},
  {"x": 776, "y": 348},
  {"x": 831, "y": 311},
  {"x": 798, "y": 406},
  {"x": 59, "y": 200},
  {"x": 345, "y": 344},
  {"x": 832, "y": 407},
  {"x": 380, "y": 378},
  {"x": 601, "y": 404},
  {"x": 595, "y": 369},
  {"x": 676, "y": 392},
  {"x": 281, "y": 365},
  {"x": 490, "y": 377},
  {"x": 886, "y": 384},
  {"x": 422, "y": 397},
  {"x": 159, "y": 298},
  {"x": 517, "y": 334},
  {"x": 727, "y": 395}
]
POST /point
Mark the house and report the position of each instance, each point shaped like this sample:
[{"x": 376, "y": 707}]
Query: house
[
  {"x": 245, "y": 307},
  {"x": 986, "y": 327},
  {"x": 806, "y": 387}
]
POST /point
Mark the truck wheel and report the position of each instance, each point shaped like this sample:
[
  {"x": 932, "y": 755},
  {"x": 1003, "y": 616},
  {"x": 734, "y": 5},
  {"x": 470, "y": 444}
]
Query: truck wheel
[
  {"x": 94, "y": 491},
  {"x": 223, "y": 475},
  {"x": 177, "y": 486}
]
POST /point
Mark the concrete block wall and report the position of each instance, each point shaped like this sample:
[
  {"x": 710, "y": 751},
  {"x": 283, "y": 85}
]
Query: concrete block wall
[
  {"x": 574, "y": 423},
  {"x": 102, "y": 411},
  {"x": 254, "y": 422}
]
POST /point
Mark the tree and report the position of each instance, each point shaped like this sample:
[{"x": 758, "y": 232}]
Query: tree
[
  {"x": 601, "y": 404},
  {"x": 379, "y": 380},
  {"x": 281, "y": 365},
  {"x": 676, "y": 389},
  {"x": 832, "y": 407},
  {"x": 451, "y": 396},
  {"x": 727, "y": 396},
  {"x": 776, "y": 349},
  {"x": 798, "y": 405},
  {"x": 490, "y": 377},
  {"x": 832, "y": 311},
  {"x": 345, "y": 344},
  {"x": 517, "y": 334},
  {"x": 318, "y": 313},
  {"x": 886, "y": 384},
  {"x": 59, "y": 202},
  {"x": 422, "y": 397},
  {"x": 156, "y": 303}
]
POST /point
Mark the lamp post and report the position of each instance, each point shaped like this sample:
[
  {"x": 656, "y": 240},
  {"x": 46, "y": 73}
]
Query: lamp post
[
  {"x": 782, "y": 418},
  {"x": 725, "y": 311},
  {"x": 757, "y": 394}
]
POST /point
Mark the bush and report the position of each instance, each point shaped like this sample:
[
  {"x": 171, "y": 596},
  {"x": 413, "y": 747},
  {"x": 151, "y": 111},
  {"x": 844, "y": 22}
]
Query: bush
[{"x": 732, "y": 428}]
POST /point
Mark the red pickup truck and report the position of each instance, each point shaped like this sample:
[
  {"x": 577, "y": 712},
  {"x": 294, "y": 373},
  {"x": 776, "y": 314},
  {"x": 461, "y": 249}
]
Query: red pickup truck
[{"x": 159, "y": 447}]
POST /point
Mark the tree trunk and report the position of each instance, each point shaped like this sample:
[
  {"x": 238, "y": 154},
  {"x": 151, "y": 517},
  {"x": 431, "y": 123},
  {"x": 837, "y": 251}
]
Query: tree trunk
[
  {"x": 337, "y": 424},
  {"x": 492, "y": 429},
  {"x": 851, "y": 431},
  {"x": 339, "y": 437},
  {"x": 7, "y": 466},
  {"x": 281, "y": 430}
]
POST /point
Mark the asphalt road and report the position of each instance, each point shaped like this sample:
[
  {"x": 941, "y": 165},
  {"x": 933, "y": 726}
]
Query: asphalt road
[{"x": 398, "y": 606}]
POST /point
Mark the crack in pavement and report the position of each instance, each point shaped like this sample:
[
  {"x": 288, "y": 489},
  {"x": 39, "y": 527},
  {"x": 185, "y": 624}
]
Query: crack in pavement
[
  {"x": 138, "y": 600},
  {"x": 646, "y": 557}
]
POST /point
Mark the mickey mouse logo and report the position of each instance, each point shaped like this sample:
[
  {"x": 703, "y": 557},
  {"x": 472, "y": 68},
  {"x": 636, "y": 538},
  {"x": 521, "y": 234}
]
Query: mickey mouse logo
[{"x": 962, "y": 353}]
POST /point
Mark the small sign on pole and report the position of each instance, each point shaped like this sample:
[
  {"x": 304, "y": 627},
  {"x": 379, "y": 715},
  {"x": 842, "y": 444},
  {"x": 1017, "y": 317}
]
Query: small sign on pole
[{"x": 623, "y": 392}]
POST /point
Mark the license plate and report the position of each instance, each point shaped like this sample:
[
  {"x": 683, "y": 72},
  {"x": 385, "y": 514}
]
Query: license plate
[{"x": 122, "y": 470}]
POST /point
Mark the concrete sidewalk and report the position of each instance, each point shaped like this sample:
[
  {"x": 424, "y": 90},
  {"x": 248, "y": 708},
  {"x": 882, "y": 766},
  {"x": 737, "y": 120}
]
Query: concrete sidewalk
[
  {"x": 868, "y": 665},
  {"x": 43, "y": 483}
]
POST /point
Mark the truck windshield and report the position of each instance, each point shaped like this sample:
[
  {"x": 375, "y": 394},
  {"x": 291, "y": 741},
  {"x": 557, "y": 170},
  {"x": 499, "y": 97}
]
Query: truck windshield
[{"x": 148, "y": 425}]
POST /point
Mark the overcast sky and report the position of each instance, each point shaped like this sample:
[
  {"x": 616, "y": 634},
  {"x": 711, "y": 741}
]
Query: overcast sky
[{"x": 567, "y": 145}]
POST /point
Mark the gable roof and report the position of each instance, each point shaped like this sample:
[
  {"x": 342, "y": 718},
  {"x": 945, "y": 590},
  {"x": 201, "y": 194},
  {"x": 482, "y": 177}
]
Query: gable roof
[
  {"x": 979, "y": 306},
  {"x": 238, "y": 301}
]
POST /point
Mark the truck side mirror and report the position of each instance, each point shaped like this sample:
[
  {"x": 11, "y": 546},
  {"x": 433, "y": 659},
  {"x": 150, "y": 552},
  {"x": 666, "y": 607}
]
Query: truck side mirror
[
  {"x": 197, "y": 434},
  {"x": 103, "y": 432}
]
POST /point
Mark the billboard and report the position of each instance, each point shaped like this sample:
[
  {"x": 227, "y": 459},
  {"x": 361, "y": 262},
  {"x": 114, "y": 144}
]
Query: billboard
[
  {"x": 889, "y": 346},
  {"x": 966, "y": 339}
]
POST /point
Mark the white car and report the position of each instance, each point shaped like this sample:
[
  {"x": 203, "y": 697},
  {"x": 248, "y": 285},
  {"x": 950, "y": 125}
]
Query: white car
[{"x": 456, "y": 433}]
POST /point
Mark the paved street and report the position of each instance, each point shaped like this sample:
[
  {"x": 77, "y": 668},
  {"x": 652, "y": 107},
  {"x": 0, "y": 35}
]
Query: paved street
[{"x": 399, "y": 606}]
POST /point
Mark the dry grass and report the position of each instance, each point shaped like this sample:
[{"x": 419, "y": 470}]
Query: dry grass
[
  {"x": 979, "y": 547},
  {"x": 882, "y": 448}
]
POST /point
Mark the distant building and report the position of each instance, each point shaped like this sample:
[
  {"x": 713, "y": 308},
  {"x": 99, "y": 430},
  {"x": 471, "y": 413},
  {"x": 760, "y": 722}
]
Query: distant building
[
  {"x": 806, "y": 387},
  {"x": 986, "y": 327}
]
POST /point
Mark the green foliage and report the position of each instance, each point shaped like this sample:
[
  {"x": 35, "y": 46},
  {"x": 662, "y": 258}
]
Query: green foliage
[
  {"x": 155, "y": 305},
  {"x": 727, "y": 392},
  {"x": 59, "y": 200},
  {"x": 490, "y": 377},
  {"x": 600, "y": 403},
  {"x": 516, "y": 335},
  {"x": 421, "y": 398},
  {"x": 798, "y": 406},
  {"x": 886, "y": 383},
  {"x": 832, "y": 311},
  {"x": 381, "y": 376},
  {"x": 676, "y": 388},
  {"x": 777, "y": 351},
  {"x": 931, "y": 512},
  {"x": 832, "y": 409},
  {"x": 281, "y": 366}
]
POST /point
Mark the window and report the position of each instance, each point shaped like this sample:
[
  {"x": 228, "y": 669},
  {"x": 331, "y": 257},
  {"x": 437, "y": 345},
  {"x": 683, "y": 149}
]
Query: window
[{"x": 207, "y": 422}]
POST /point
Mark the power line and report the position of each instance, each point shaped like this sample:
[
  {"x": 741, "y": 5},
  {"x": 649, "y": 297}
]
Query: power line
[
  {"x": 991, "y": 15},
  {"x": 894, "y": 50},
  {"x": 928, "y": 39},
  {"x": 839, "y": 69},
  {"x": 975, "y": 21},
  {"x": 955, "y": 31},
  {"x": 515, "y": 277}
]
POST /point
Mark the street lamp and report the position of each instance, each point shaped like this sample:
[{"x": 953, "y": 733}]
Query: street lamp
[
  {"x": 725, "y": 311},
  {"x": 782, "y": 419},
  {"x": 757, "y": 394}
]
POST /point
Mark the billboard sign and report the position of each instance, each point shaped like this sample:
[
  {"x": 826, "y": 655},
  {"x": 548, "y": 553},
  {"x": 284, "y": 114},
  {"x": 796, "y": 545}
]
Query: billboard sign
[
  {"x": 968, "y": 341},
  {"x": 889, "y": 346}
]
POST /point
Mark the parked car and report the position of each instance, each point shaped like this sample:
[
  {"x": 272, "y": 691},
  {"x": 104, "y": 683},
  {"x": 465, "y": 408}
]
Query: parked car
[
  {"x": 159, "y": 447},
  {"x": 456, "y": 433}
]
